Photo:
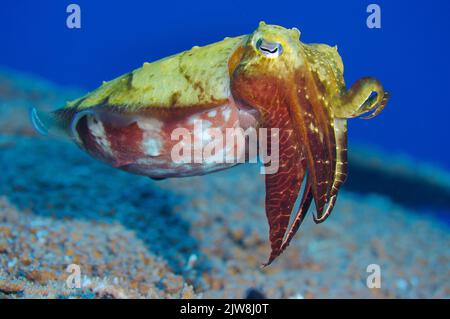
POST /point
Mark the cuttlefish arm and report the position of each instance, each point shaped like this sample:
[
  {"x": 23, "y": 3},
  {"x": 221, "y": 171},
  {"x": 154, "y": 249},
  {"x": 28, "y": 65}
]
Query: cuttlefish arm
[
  {"x": 315, "y": 134},
  {"x": 283, "y": 187},
  {"x": 365, "y": 96},
  {"x": 306, "y": 144},
  {"x": 324, "y": 153},
  {"x": 269, "y": 97}
]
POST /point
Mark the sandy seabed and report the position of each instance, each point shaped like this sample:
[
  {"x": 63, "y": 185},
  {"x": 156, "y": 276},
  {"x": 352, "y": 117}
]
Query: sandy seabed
[{"x": 200, "y": 237}]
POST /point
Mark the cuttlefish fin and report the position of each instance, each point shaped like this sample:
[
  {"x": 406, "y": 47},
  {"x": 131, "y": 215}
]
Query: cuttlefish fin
[
  {"x": 65, "y": 121},
  {"x": 283, "y": 186},
  {"x": 59, "y": 123},
  {"x": 48, "y": 123}
]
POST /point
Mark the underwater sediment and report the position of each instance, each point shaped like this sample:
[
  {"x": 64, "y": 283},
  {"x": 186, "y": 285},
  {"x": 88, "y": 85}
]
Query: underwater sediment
[{"x": 201, "y": 236}]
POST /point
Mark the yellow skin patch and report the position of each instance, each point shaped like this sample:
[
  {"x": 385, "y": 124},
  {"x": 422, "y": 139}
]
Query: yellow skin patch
[
  {"x": 296, "y": 87},
  {"x": 195, "y": 77}
]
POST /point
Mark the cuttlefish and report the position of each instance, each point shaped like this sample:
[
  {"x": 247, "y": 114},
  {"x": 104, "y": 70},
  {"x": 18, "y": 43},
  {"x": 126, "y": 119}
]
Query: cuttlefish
[{"x": 267, "y": 79}]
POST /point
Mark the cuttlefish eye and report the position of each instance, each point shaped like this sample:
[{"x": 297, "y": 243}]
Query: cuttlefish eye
[{"x": 269, "y": 49}]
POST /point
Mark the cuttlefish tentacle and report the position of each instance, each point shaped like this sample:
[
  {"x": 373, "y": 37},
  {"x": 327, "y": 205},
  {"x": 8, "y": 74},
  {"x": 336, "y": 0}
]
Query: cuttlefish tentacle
[
  {"x": 324, "y": 147},
  {"x": 360, "y": 99},
  {"x": 357, "y": 101},
  {"x": 314, "y": 123},
  {"x": 340, "y": 173},
  {"x": 312, "y": 135}
]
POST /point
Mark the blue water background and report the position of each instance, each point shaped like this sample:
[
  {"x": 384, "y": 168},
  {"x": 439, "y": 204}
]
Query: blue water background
[{"x": 409, "y": 54}]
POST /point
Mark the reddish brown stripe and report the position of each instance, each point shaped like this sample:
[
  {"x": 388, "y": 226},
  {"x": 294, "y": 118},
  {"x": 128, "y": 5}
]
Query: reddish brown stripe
[{"x": 125, "y": 142}]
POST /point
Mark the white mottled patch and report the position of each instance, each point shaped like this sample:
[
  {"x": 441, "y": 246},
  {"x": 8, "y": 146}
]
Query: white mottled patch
[
  {"x": 206, "y": 134},
  {"x": 226, "y": 114},
  {"x": 149, "y": 124},
  {"x": 152, "y": 146},
  {"x": 151, "y": 134},
  {"x": 98, "y": 131},
  {"x": 206, "y": 124},
  {"x": 212, "y": 113},
  {"x": 201, "y": 131},
  {"x": 193, "y": 119}
]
